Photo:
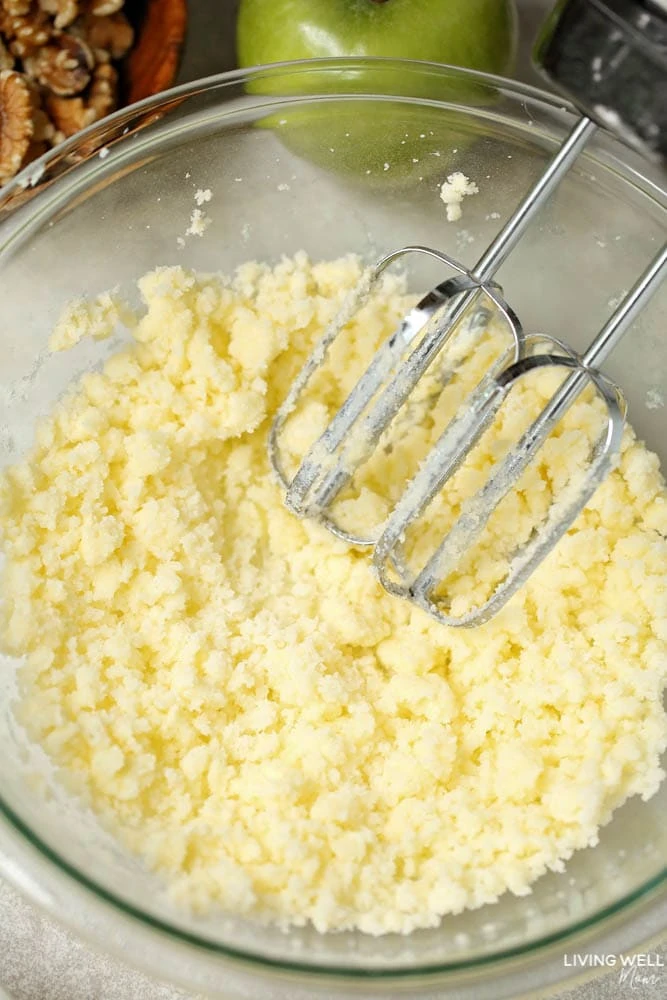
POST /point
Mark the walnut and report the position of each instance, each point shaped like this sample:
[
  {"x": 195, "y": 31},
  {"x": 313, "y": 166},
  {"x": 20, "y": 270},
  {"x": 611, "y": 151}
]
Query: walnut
[
  {"x": 63, "y": 66},
  {"x": 63, "y": 11},
  {"x": 113, "y": 34},
  {"x": 17, "y": 112},
  {"x": 16, "y": 8},
  {"x": 25, "y": 33},
  {"x": 6, "y": 58},
  {"x": 104, "y": 8},
  {"x": 70, "y": 114}
]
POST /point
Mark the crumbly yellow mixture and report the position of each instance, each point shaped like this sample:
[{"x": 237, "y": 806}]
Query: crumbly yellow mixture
[{"x": 236, "y": 695}]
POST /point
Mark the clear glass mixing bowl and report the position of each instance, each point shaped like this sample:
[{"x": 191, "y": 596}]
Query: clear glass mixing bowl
[{"x": 378, "y": 138}]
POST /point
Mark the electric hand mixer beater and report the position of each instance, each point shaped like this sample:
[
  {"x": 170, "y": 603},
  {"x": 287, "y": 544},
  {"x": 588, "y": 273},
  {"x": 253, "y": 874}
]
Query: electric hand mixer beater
[{"x": 610, "y": 58}]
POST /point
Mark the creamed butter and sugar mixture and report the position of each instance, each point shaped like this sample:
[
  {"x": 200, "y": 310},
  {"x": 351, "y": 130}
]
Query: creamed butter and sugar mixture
[{"x": 230, "y": 688}]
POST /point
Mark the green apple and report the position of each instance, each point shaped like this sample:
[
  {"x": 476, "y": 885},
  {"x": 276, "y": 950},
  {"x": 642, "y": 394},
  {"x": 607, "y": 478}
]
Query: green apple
[
  {"x": 479, "y": 34},
  {"x": 361, "y": 139}
]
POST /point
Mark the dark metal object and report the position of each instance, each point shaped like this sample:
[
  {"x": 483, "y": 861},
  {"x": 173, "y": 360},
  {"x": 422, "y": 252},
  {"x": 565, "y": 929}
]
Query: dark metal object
[{"x": 609, "y": 57}]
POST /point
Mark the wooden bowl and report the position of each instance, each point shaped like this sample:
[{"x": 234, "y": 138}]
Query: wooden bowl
[{"x": 152, "y": 63}]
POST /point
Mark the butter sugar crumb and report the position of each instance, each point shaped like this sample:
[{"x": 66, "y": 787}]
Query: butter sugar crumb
[
  {"x": 97, "y": 318},
  {"x": 202, "y": 196},
  {"x": 199, "y": 223},
  {"x": 453, "y": 191}
]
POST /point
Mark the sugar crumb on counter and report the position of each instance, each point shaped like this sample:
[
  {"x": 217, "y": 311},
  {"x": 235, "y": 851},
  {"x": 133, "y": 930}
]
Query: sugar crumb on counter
[
  {"x": 233, "y": 692},
  {"x": 453, "y": 191}
]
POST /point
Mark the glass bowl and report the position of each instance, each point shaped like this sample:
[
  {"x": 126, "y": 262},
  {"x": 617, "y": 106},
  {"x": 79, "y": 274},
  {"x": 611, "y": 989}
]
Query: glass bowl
[{"x": 331, "y": 157}]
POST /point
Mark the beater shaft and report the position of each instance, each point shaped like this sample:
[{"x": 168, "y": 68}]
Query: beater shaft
[{"x": 608, "y": 337}]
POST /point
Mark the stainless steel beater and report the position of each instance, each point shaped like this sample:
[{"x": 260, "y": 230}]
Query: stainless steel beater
[{"x": 610, "y": 56}]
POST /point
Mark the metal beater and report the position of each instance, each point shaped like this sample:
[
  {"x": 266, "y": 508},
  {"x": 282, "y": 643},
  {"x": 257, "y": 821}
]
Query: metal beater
[{"x": 610, "y": 57}]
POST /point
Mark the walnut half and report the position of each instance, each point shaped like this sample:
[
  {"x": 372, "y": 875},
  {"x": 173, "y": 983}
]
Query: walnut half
[
  {"x": 25, "y": 33},
  {"x": 63, "y": 67},
  {"x": 113, "y": 34},
  {"x": 17, "y": 121},
  {"x": 70, "y": 114}
]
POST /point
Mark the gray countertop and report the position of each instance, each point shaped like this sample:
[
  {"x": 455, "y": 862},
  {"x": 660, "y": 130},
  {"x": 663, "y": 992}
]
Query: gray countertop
[{"x": 39, "y": 960}]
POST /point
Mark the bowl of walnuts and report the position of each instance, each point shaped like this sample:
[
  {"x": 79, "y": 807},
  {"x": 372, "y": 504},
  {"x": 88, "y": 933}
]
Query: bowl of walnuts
[{"x": 65, "y": 64}]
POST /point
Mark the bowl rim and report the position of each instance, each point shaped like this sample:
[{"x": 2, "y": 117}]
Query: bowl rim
[
  {"x": 31, "y": 175},
  {"x": 28, "y": 178}
]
